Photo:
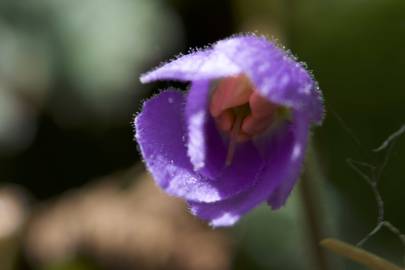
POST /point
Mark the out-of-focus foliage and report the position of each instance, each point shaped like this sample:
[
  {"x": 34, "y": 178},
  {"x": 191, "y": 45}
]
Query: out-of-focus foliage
[
  {"x": 264, "y": 246},
  {"x": 17, "y": 122},
  {"x": 78, "y": 59},
  {"x": 137, "y": 228},
  {"x": 13, "y": 213},
  {"x": 105, "y": 45}
]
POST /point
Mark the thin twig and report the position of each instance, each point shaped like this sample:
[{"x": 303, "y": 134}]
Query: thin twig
[
  {"x": 353, "y": 165},
  {"x": 398, "y": 233},
  {"x": 373, "y": 179},
  {"x": 391, "y": 138},
  {"x": 370, "y": 234},
  {"x": 385, "y": 162},
  {"x": 362, "y": 163},
  {"x": 346, "y": 128}
]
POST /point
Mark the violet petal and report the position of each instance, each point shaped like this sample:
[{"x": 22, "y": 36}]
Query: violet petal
[
  {"x": 161, "y": 134},
  {"x": 284, "y": 164},
  {"x": 274, "y": 72},
  {"x": 199, "y": 65}
]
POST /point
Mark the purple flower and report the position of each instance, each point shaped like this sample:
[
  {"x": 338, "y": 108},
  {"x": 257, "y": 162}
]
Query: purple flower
[{"x": 238, "y": 137}]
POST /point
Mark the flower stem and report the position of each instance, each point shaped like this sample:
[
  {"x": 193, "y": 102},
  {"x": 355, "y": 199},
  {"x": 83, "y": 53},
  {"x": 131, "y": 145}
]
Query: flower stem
[
  {"x": 359, "y": 255},
  {"x": 310, "y": 202}
]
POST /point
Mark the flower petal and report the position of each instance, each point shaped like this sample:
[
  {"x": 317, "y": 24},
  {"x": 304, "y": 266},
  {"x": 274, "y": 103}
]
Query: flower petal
[
  {"x": 198, "y": 123},
  {"x": 199, "y": 65},
  {"x": 301, "y": 133},
  {"x": 284, "y": 164},
  {"x": 275, "y": 73},
  {"x": 161, "y": 134}
]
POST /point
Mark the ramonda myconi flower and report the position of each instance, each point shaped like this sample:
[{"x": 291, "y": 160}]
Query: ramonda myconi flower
[{"x": 238, "y": 137}]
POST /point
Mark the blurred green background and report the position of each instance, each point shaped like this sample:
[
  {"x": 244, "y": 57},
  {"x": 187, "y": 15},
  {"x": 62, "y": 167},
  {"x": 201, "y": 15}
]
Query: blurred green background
[{"x": 69, "y": 91}]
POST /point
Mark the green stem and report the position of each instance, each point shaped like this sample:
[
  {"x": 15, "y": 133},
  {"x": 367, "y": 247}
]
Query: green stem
[{"x": 310, "y": 201}]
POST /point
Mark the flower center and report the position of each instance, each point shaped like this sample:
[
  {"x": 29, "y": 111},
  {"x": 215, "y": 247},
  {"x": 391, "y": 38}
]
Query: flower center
[{"x": 239, "y": 111}]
